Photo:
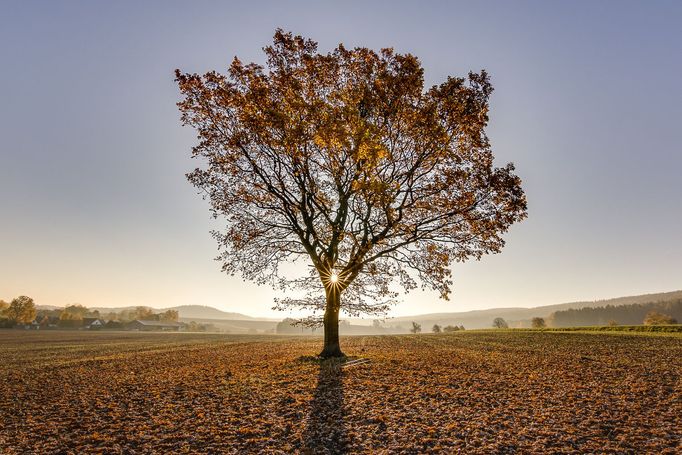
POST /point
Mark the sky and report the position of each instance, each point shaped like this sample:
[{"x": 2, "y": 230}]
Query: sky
[{"x": 95, "y": 208}]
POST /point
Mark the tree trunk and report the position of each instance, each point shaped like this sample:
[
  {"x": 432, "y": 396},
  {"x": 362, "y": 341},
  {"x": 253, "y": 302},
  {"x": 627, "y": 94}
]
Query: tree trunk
[{"x": 332, "y": 348}]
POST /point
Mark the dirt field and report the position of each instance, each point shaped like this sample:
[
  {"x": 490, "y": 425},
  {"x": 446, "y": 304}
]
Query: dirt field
[{"x": 470, "y": 392}]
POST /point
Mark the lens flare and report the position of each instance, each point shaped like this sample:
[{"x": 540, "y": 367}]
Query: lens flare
[{"x": 334, "y": 278}]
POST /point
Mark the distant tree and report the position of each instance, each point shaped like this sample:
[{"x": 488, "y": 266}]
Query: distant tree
[
  {"x": 376, "y": 324},
  {"x": 4, "y": 321},
  {"x": 450, "y": 328},
  {"x": 612, "y": 323},
  {"x": 42, "y": 319},
  {"x": 416, "y": 327},
  {"x": 346, "y": 161},
  {"x": 143, "y": 313},
  {"x": 70, "y": 320},
  {"x": 287, "y": 326},
  {"x": 626, "y": 314},
  {"x": 75, "y": 311},
  {"x": 194, "y": 326},
  {"x": 21, "y": 310},
  {"x": 114, "y": 324},
  {"x": 656, "y": 318},
  {"x": 461, "y": 327},
  {"x": 169, "y": 316},
  {"x": 436, "y": 328},
  {"x": 538, "y": 323},
  {"x": 500, "y": 323}
]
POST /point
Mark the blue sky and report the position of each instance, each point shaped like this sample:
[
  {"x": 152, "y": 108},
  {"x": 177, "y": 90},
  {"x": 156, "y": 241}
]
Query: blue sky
[{"x": 94, "y": 207}]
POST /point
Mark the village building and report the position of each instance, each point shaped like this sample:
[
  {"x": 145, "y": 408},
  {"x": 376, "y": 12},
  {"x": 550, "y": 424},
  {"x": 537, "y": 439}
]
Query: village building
[
  {"x": 93, "y": 323},
  {"x": 166, "y": 326}
]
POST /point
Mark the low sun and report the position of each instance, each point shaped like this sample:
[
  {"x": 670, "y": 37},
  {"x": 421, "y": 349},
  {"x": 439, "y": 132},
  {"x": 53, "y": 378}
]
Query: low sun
[{"x": 334, "y": 278}]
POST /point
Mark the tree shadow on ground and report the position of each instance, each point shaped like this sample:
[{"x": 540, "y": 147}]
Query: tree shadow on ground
[{"x": 325, "y": 432}]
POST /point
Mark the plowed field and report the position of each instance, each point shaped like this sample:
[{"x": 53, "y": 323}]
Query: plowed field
[{"x": 468, "y": 392}]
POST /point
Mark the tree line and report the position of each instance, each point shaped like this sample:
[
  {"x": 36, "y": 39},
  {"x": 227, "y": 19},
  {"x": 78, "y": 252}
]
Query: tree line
[
  {"x": 22, "y": 311},
  {"x": 665, "y": 312}
]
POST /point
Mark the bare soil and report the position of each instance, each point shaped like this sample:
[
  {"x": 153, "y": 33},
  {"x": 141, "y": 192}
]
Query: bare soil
[{"x": 468, "y": 392}]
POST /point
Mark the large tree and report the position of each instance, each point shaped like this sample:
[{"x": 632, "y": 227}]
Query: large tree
[
  {"x": 21, "y": 310},
  {"x": 346, "y": 160}
]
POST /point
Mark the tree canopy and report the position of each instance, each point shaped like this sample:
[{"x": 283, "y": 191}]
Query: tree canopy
[
  {"x": 538, "y": 323},
  {"x": 656, "y": 318},
  {"x": 21, "y": 310},
  {"x": 346, "y": 160},
  {"x": 500, "y": 323}
]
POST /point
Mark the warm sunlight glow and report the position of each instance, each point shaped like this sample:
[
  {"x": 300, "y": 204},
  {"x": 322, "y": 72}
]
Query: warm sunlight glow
[{"x": 334, "y": 278}]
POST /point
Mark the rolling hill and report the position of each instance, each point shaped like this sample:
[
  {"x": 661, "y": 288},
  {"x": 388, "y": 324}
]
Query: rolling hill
[
  {"x": 476, "y": 319},
  {"x": 520, "y": 317},
  {"x": 184, "y": 312}
]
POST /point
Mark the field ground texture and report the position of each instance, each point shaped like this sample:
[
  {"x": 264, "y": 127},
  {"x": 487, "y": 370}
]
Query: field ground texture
[{"x": 469, "y": 392}]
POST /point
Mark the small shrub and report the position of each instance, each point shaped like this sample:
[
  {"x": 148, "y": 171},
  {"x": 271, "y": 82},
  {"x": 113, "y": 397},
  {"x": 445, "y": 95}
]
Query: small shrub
[{"x": 656, "y": 318}]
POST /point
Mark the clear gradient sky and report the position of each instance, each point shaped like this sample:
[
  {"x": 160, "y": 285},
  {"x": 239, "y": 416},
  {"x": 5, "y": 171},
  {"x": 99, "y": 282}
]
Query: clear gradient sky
[{"x": 95, "y": 209}]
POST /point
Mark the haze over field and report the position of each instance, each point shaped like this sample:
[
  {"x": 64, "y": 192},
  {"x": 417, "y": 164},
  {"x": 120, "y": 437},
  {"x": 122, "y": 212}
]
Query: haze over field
[
  {"x": 475, "y": 319},
  {"x": 96, "y": 209}
]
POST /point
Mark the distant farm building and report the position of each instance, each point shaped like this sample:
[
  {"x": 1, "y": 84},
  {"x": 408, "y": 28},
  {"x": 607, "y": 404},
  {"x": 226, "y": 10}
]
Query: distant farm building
[
  {"x": 154, "y": 326},
  {"x": 93, "y": 323}
]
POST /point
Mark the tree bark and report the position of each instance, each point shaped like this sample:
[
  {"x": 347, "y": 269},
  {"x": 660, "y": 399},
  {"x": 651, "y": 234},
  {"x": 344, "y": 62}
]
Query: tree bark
[{"x": 332, "y": 348}]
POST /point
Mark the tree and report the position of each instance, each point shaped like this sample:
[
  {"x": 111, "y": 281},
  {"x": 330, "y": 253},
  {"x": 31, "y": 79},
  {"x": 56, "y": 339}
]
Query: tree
[
  {"x": 288, "y": 325},
  {"x": 143, "y": 313},
  {"x": 343, "y": 160},
  {"x": 76, "y": 312},
  {"x": 538, "y": 323},
  {"x": 450, "y": 328},
  {"x": 416, "y": 327},
  {"x": 68, "y": 319},
  {"x": 169, "y": 315},
  {"x": 21, "y": 310},
  {"x": 3, "y": 316},
  {"x": 656, "y": 318},
  {"x": 435, "y": 328},
  {"x": 500, "y": 323}
]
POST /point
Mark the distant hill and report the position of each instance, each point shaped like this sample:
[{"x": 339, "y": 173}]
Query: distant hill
[
  {"x": 184, "y": 312},
  {"x": 476, "y": 319},
  {"x": 630, "y": 314},
  {"x": 200, "y": 312},
  {"x": 238, "y": 325},
  {"x": 644, "y": 298},
  {"x": 520, "y": 317},
  {"x": 49, "y": 307},
  {"x": 208, "y": 312}
]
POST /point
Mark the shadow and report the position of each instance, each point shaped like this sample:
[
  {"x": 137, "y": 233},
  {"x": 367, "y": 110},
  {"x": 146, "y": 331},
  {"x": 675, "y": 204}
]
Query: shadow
[{"x": 325, "y": 431}]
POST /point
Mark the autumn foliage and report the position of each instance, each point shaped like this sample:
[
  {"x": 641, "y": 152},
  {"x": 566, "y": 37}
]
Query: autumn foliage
[
  {"x": 346, "y": 161},
  {"x": 21, "y": 310},
  {"x": 656, "y": 318}
]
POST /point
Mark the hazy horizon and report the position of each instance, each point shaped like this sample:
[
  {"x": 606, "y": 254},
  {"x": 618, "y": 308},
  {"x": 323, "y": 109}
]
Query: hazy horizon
[{"x": 96, "y": 209}]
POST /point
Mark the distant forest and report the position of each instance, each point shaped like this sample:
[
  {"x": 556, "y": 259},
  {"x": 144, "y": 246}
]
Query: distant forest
[{"x": 632, "y": 314}]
